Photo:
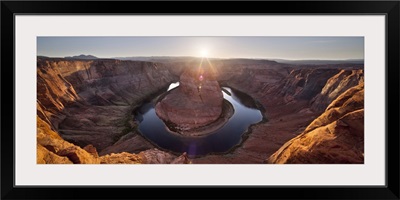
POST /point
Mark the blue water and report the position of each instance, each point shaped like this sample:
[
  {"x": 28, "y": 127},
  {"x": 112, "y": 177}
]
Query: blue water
[{"x": 219, "y": 141}]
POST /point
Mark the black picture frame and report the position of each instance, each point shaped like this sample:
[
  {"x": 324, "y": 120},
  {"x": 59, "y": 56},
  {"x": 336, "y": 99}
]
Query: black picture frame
[{"x": 9, "y": 9}]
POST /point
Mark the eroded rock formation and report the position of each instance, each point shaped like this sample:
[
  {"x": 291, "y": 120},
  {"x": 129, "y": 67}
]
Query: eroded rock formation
[
  {"x": 195, "y": 103},
  {"x": 336, "y": 136}
]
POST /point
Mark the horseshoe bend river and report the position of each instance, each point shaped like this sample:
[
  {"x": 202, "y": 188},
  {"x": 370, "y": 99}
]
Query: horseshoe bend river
[{"x": 221, "y": 140}]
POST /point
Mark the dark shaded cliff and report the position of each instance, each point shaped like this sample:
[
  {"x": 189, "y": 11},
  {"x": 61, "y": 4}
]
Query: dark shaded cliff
[{"x": 88, "y": 103}]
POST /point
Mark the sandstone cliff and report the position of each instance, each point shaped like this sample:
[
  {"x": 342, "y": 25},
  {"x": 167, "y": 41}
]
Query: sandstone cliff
[
  {"x": 89, "y": 101},
  {"x": 335, "y": 86},
  {"x": 304, "y": 84},
  {"x": 336, "y": 136},
  {"x": 53, "y": 93}
]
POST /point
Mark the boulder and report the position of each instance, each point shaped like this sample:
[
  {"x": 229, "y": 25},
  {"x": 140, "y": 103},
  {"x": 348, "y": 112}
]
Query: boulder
[
  {"x": 92, "y": 150},
  {"x": 155, "y": 156},
  {"x": 44, "y": 156},
  {"x": 78, "y": 155}
]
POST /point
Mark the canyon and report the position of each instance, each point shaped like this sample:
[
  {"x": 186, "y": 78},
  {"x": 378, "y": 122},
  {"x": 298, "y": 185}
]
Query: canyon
[{"x": 86, "y": 110}]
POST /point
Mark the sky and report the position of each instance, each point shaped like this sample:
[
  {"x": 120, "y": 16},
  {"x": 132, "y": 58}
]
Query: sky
[{"x": 290, "y": 48}]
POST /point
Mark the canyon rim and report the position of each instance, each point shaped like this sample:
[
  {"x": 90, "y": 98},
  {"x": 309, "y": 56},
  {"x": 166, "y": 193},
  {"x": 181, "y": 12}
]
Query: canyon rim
[{"x": 200, "y": 100}]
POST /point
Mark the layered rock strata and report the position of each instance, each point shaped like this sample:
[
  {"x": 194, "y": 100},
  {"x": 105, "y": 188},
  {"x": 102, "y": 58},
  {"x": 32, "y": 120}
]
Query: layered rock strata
[
  {"x": 84, "y": 106},
  {"x": 90, "y": 101}
]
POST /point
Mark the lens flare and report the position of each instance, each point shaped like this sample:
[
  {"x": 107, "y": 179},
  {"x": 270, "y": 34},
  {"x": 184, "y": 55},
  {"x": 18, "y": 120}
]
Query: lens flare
[
  {"x": 201, "y": 78},
  {"x": 204, "y": 53}
]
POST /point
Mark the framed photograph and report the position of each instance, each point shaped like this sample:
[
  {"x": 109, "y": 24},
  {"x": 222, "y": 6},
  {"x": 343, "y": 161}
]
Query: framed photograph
[{"x": 261, "y": 99}]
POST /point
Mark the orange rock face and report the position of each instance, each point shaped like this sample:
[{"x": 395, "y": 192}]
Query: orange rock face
[
  {"x": 52, "y": 149},
  {"x": 336, "y": 136}
]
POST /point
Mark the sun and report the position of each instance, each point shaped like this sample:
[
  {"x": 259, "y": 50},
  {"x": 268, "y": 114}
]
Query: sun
[{"x": 204, "y": 53}]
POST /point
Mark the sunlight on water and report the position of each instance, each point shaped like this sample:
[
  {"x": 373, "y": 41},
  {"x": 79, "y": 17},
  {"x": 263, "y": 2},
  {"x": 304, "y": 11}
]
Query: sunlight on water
[{"x": 173, "y": 85}]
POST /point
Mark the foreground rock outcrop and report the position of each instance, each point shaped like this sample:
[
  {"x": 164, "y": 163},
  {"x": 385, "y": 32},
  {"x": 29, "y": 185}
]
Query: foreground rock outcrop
[
  {"x": 52, "y": 149},
  {"x": 195, "y": 103},
  {"x": 336, "y": 136}
]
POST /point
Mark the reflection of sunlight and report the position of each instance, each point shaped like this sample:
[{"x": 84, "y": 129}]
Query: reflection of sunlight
[{"x": 173, "y": 85}]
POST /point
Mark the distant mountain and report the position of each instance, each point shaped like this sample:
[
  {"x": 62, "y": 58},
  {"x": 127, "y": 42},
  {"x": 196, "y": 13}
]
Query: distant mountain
[
  {"x": 82, "y": 57},
  {"x": 155, "y": 58},
  {"x": 320, "y": 62},
  {"x": 245, "y": 60}
]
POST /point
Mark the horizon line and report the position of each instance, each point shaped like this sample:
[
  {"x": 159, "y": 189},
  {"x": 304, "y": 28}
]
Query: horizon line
[{"x": 252, "y": 58}]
